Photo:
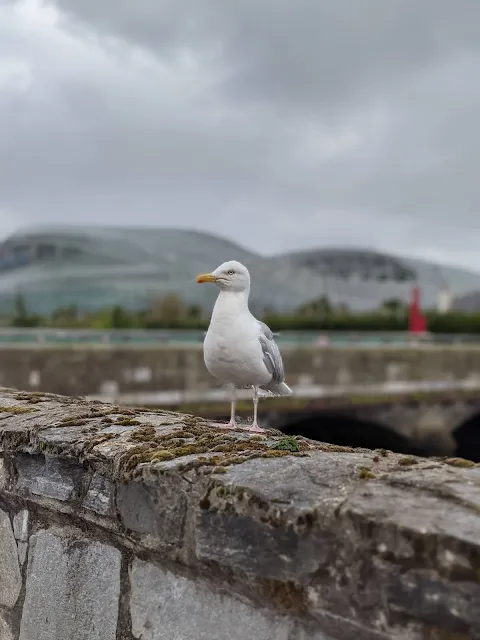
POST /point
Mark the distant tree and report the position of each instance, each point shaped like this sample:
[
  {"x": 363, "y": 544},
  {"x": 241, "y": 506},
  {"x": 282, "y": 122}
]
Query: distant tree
[
  {"x": 320, "y": 307},
  {"x": 101, "y": 320},
  {"x": 21, "y": 317},
  {"x": 268, "y": 311},
  {"x": 20, "y": 307},
  {"x": 120, "y": 318},
  {"x": 66, "y": 316},
  {"x": 393, "y": 307},
  {"x": 168, "y": 311},
  {"x": 343, "y": 309},
  {"x": 194, "y": 312}
]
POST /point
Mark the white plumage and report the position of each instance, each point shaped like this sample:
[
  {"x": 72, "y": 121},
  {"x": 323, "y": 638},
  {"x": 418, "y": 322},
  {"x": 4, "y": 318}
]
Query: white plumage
[{"x": 239, "y": 349}]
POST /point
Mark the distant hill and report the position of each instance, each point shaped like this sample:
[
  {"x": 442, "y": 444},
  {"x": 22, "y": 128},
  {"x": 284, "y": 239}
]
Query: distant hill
[
  {"x": 468, "y": 303},
  {"x": 364, "y": 278},
  {"x": 94, "y": 267}
]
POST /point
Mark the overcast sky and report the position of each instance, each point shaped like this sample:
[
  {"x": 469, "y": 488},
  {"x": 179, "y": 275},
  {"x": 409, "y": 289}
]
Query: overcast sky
[{"x": 285, "y": 124}]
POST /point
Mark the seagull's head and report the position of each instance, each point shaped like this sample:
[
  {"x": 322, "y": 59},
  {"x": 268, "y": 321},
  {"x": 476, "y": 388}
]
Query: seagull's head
[{"x": 229, "y": 276}]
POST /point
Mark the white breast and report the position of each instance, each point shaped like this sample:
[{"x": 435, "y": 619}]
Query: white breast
[{"x": 233, "y": 353}]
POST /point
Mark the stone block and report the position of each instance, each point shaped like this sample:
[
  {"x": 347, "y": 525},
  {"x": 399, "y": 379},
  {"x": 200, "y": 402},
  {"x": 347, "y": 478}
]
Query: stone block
[
  {"x": 232, "y": 540},
  {"x": 22, "y": 552},
  {"x": 6, "y": 632},
  {"x": 100, "y": 496},
  {"x": 48, "y": 476},
  {"x": 231, "y": 533},
  {"x": 20, "y": 525},
  {"x": 3, "y": 474},
  {"x": 10, "y": 577},
  {"x": 158, "y": 512},
  {"x": 165, "y": 606},
  {"x": 73, "y": 588}
]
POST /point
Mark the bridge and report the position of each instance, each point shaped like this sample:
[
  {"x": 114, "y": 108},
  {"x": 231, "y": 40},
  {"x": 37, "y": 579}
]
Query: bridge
[{"x": 421, "y": 396}]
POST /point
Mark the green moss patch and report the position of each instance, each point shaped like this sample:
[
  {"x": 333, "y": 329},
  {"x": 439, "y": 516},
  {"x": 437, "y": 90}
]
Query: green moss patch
[
  {"x": 287, "y": 444},
  {"x": 215, "y": 449}
]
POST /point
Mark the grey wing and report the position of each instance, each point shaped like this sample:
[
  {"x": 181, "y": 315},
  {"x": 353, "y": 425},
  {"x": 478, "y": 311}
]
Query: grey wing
[{"x": 271, "y": 353}]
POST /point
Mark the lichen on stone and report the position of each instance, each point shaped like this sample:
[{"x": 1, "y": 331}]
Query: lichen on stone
[
  {"x": 286, "y": 595},
  {"x": 82, "y": 418},
  {"x": 73, "y": 422},
  {"x": 364, "y": 473},
  {"x": 459, "y": 462},
  {"x": 407, "y": 461},
  {"x": 33, "y": 397},
  {"x": 15, "y": 409},
  {"x": 127, "y": 422}
]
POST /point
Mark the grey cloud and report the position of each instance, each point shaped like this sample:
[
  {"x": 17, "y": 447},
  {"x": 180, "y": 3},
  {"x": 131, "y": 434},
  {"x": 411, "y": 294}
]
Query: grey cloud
[
  {"x": 316, "y": 122},
  {"x": 304, "y": 52}
]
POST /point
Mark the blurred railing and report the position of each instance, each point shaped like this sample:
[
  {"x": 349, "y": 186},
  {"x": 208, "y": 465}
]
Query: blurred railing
[{"x": 15, "y": 336}]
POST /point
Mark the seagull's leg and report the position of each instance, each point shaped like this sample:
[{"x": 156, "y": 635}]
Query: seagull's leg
[
  {"x": 255, "y": 428},
  {"x": 232, "y": 424}
]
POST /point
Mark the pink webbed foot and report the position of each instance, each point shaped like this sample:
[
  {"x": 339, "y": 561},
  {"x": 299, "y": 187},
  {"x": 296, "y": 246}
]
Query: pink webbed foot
[
  {"x": 230, "y": 425},
  {"x": 255, "y": 429}
]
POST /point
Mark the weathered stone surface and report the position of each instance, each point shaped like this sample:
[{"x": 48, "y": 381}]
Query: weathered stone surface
[
  {"x": 100, "y": 496},
  {"x": 10, "y": 578},
  {"x": 358, "y": 530},
  {"x": 169, "y": 607},
  {"x": 6, "y": 632},
  {"x": 73, "y": 588},
  {"x": 157, "y": 512},
  {"x": 47, "y": 476},
  {"x": 345, "y": 542},
  {"x": 300, "y": 633}
]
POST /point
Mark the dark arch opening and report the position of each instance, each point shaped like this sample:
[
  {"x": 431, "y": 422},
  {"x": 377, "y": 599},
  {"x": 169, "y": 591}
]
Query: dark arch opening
[
  {"x": 348, "y": 431},
  {"x": 467, "y": 439}
]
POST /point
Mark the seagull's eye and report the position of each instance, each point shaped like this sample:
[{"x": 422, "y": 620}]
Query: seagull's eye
[{"x": 230, "y": 272}]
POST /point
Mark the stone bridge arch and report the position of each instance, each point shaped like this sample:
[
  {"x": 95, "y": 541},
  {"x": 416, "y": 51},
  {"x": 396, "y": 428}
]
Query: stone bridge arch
[
  {"x": 429, "y": 425},
  {"x": 345, "y": 428},
  {"x": 426, "y": 427},
  {"x": 467, "y": 437}
]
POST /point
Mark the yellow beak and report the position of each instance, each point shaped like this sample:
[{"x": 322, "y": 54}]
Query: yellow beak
[{"x": 205, "y": 277}]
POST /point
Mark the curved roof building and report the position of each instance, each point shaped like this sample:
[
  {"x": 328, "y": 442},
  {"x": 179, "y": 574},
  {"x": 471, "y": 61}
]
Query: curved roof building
[{"x": 96, "y": 267}]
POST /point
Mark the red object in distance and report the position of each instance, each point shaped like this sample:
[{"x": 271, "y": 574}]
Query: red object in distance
[{"x": 417, "y": 322}]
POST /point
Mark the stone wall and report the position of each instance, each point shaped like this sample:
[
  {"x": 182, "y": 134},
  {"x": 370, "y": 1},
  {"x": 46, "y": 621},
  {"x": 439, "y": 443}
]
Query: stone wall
[
  {"x": 121, "y": 524},
  {"x": 110, "y": 370}
]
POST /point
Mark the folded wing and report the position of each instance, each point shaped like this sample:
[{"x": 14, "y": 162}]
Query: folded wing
[{"x": 271, "y": 353}]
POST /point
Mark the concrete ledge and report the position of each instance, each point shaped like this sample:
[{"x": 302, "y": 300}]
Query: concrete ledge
[{"x": 132, "y": 524}]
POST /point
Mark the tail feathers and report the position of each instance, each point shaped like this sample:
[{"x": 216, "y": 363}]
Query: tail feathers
[{"x": 281, "y": 389}]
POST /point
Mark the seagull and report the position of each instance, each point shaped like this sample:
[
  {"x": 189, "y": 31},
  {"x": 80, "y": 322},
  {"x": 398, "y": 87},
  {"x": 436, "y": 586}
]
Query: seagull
[{"x": 239, "y": 349}]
